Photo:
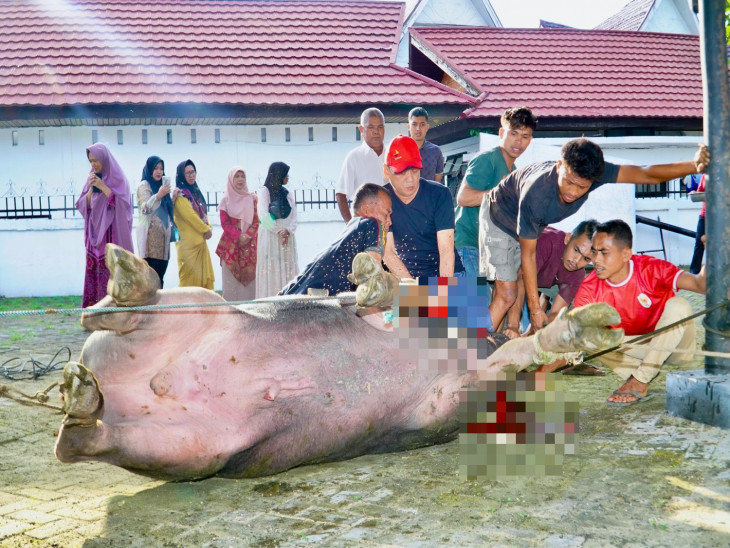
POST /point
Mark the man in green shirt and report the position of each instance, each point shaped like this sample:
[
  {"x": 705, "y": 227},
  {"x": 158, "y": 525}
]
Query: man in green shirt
[{"x": 484, "y": 172}]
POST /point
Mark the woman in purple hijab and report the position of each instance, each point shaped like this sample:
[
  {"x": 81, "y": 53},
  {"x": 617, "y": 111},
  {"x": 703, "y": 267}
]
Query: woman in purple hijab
[{"x": 106, "y": 206}]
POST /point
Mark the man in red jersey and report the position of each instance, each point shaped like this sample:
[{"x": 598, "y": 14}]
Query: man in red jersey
[{"x": 643, "y": 291}]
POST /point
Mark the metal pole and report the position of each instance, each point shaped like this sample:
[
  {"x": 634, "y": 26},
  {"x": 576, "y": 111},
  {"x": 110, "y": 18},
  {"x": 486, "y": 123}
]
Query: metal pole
[{"x": 716, "y": 95}]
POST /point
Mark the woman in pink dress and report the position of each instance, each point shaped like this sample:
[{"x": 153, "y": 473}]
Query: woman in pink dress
[
  {"x": 237, "y": 247},
  {"x": 105, "y": 204}
]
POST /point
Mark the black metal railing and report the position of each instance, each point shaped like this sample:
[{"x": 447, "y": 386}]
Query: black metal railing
[
  {"x": 64, "y": 205},
  {"x": 676, "y": 188}
]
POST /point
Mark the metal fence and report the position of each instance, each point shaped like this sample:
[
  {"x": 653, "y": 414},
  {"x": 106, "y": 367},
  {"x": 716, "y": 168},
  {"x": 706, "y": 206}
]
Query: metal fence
[
  {"x": 23, "y": 205},
  {"x": 676, "y": 188}
]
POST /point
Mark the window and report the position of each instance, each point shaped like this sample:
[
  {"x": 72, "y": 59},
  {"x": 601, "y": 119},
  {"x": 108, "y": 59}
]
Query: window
[
  {"x": 193, "y": 136},
  {"x": 169, "y": 136},
  {"x": 94, "y": 136},
  {"x": 14, "y": 136},
  {"x": 454, "y": 170},
  {"x": 217, "y": 135},
  {"x": 311, "y": 133},
  {"x": 144, "y": 136},
  {"x": 120, "y": 137},
  {"x": 651, "y": 191},
  {"x": 334, "y": 133},
  {"x": 287, "y": 134},
  {"x": 263, "y": 134},
  {"x": 41, "y": 137}
]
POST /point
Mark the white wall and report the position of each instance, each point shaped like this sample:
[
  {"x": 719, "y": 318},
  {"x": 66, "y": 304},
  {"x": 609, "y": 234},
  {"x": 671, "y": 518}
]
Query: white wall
[
  {"x": 465, "y": 13},
  {"x": 47, "y": 258},
  {"x": 43, "y": 257},
  {"x": 673, "y": 16},
  {"x": 61, "y": 164}
]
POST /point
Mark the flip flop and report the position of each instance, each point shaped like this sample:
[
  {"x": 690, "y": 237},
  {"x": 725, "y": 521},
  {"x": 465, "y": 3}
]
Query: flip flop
[
  {"x": 639, "y": 398},
  {"x": 584, "y": 369}
]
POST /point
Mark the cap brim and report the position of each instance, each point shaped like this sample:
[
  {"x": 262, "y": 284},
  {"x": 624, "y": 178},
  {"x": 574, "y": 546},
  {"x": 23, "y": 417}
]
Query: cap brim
[{"x": 395, "y": 170}]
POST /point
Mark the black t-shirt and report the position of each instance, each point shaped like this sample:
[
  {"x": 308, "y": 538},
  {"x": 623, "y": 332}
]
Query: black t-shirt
[
  {"x": 415, "y": 226},
  {"x": 330, "y": 268},
  {"x": 527, "y": 200}
]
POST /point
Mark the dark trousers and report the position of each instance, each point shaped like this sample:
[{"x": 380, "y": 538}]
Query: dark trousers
[
  {"x": 699, "y": 252},
  {"x": 159, "y": 266}
]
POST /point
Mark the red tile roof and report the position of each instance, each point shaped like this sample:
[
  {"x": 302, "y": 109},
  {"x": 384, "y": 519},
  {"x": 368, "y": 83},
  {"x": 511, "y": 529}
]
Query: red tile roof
[
  {"x": 571, "y": 72},
  {"x": 282, "y": 53},
  {"x": 630, "y": 17}
]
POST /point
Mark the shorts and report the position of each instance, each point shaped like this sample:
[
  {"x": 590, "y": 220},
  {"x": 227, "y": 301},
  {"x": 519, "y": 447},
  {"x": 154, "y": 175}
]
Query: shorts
[{"x": 500, "y": 256}]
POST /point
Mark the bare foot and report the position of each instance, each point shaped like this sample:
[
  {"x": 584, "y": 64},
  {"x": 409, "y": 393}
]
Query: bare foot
[
  {"x": 551, "y": 367},
  {"x": 623, "y": 395}
]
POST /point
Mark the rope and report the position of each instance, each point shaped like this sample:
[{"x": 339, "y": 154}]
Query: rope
[
  {"x": 681, "y": 350},
  {"x": 18, "y": 372},
  {"x": 345, "y": 298},
  {"x": 39, "y": 398},
  {"x": 657, "y": 331}
]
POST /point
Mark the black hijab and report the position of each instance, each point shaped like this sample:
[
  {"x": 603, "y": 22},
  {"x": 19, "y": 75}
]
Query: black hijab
[
  {"x": 191, "y": 192},
  {"x": 164, "y": 212},
  {"x": 279, "y": 205}
]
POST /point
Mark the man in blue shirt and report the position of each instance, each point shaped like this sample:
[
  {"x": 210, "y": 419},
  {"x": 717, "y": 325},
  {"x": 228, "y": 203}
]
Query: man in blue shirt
[
  {"x": 420, "y": 242},
  {"x": 432, "y": 159}
]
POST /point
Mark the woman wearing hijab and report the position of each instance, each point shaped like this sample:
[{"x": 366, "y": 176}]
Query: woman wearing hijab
[
  {"x": 191, "y": 220},
  {"x": 105, "y": 204},
  {"x": 237, "y": 247},
  {"x": 154, "y": 230},
  {"x": 277, "y": 247}
]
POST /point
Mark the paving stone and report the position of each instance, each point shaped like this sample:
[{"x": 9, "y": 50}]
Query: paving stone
[
  {"x": 39, "y": 494},
  {"x": 51, "y": 529},
  {"x": 21, "y": 504},
  {"x": 11, "y": 527},
  {"x": 33, "y": 516}
]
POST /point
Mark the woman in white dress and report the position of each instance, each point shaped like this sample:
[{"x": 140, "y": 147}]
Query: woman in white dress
[{"x": 277, "y": 246}]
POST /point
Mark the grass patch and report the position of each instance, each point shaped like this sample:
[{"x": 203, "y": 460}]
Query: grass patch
[{"x": 40, "y": 303}]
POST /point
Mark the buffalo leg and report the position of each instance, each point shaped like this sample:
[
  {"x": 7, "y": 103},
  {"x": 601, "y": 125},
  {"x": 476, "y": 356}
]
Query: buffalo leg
[{"x": 581, "y": 329}]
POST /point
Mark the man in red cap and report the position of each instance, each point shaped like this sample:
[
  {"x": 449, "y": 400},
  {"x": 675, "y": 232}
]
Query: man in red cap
[{"x": 420, "y": 242}]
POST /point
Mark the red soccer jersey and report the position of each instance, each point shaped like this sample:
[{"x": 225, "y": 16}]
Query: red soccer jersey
[{"x": 640, "y": 298}]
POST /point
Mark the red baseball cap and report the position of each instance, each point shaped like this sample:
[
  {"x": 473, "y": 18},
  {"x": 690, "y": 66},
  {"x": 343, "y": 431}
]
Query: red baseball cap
[{"x": 403, "y": 153}]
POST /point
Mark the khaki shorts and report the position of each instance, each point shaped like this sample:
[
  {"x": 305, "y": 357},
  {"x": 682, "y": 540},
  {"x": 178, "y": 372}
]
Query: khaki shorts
[{"x": 499, "y": 253}]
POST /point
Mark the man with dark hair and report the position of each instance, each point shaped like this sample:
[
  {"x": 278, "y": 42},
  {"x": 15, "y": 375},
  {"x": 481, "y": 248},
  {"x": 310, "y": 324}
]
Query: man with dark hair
[
  {"x": 365, "y": 232},
  {"x": 483, "y": 173},
  {"x": 643, "y": 291},
  {"x": 363, "y": 164},
  {"x": 561, "y": 261},
  {"x": 514, "y": 214},
  {"x": 420, "y": 243},
  {"x": 432, "y": 159}
]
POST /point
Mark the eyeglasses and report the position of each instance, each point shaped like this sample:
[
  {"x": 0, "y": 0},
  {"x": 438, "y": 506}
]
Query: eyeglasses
[{"x": 189, "y": 172}]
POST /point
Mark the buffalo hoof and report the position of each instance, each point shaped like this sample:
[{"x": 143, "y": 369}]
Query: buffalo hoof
[
  {"x": 132, "y": 282},
  {"x": 82, "y": 397},
  {"x": 376, "y": 288},
  {"x": 583, "y": 329}
]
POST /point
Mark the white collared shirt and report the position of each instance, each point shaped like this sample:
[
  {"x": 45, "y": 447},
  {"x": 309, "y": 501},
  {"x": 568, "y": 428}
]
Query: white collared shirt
[{"x": 361, "y": 165}]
